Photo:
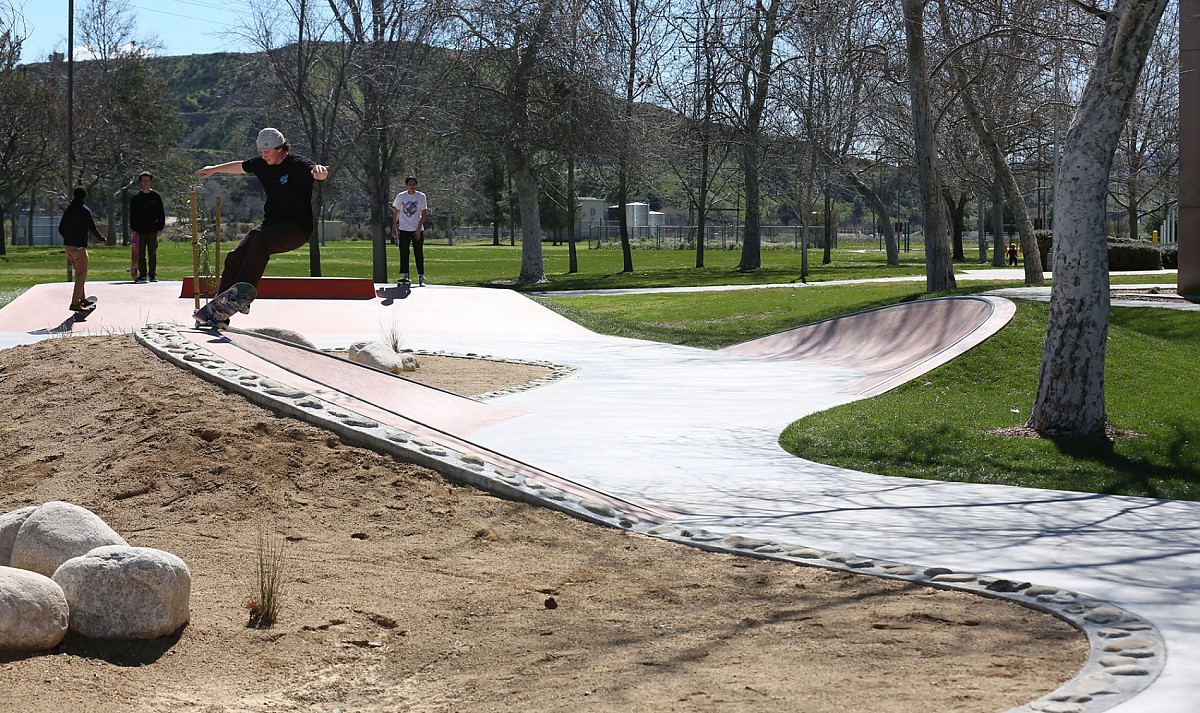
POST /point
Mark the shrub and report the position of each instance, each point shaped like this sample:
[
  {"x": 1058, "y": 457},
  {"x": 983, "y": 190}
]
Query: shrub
[
  {"x": 1126, "y": 255},
  {"x": 1170, "y": 256}
]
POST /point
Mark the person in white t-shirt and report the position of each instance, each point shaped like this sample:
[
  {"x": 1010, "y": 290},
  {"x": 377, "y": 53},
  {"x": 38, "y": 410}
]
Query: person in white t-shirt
[{"x": 408, "y": 219}]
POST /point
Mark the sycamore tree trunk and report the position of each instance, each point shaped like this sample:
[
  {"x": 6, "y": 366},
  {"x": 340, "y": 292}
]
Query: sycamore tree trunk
[
  {"x": 1070, "y": 394},
  {"x": 939, "y": 268},
  {"x": 526, "y": 182}
]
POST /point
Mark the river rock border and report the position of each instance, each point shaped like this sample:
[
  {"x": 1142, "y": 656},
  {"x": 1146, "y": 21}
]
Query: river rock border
[{"x": 1127, "y": 652}]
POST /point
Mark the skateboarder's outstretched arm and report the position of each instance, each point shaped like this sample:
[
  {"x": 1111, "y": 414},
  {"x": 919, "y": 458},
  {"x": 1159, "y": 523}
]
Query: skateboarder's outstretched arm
[{"x": 227, "y": 167}]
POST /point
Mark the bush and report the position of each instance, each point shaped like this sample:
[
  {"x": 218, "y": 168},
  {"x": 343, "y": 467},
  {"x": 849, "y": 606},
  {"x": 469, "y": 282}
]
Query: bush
[
  {"x": 1170, "y": 256},
  {"x": 1044, "y": 238},
  {"x": 1124, "y": 255}
]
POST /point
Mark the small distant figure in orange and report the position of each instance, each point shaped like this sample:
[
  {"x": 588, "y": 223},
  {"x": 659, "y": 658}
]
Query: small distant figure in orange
[{"x": 1012, "y": 253}]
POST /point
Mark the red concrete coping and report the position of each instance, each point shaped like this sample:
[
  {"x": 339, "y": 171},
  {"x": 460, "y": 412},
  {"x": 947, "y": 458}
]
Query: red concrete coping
[{"x": 315, "y": 288}]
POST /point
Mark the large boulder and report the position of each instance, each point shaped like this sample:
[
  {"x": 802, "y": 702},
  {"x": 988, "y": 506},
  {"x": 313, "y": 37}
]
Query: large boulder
[
  {"x": 382, "y": 356},
  {"x": 122, "y": 592},
  {"x": 33, "y": 611},
  {"x": 285, "y": 335},
  {"x": 10, "y": 522},
  {"x": 56, "y": 532}
]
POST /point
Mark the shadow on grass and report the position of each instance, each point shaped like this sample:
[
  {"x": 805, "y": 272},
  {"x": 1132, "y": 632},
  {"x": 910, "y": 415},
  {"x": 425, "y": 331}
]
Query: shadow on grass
[{"x": 1125, "y": 474}]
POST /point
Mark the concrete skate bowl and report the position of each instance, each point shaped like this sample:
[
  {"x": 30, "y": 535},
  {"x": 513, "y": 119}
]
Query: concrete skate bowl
[{"x": 889, "y": 345}]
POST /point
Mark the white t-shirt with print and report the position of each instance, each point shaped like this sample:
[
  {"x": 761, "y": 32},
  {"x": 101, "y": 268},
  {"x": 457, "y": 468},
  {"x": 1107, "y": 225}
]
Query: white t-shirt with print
[{"x": 410, "y": 206}]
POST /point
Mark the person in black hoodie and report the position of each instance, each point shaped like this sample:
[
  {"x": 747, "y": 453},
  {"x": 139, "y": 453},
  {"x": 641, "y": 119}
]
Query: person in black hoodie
[
  {"x": 75, "y": 227},
  {"x": 146, "y": 218}
]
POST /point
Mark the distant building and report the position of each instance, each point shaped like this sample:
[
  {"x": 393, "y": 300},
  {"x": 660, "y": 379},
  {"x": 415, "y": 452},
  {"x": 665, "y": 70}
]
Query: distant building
[{"x": 591, "y": 214}]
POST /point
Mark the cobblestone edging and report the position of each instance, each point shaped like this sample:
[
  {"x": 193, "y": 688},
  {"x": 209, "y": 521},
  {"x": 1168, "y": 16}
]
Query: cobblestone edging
[
  {"x": 557, "y": 371},
  {"x": 1126, "y": 651}
]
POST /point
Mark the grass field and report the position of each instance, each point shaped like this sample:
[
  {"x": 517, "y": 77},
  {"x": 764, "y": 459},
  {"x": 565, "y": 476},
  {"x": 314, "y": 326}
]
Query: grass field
[{"x": 935, "y": 427}]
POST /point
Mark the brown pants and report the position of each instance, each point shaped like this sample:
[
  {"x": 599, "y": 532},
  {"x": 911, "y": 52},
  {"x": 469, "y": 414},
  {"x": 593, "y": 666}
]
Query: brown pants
[
  {"x": 78, "y": 259},
  {"x": 248, "y": 261}
]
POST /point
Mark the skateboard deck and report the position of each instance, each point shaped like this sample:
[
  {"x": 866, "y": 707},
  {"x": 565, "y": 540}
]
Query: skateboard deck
[
  {"x": 135, "y": 240},
  {"x": 217, "y": 312}
]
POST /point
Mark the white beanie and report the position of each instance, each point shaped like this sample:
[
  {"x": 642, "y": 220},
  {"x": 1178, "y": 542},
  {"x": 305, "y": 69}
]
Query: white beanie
[{"x": 270, "y": 138}]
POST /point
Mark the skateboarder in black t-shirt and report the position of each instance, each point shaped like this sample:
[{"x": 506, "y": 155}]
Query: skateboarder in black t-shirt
[{"x": 287, "y": 216}]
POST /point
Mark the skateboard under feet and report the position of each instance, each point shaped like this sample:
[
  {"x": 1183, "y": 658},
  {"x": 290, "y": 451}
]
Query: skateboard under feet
[{"x": 217, "y": 312}]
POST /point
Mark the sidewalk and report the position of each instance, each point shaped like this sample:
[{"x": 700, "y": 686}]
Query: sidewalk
[{"x": 695, "y": 433}]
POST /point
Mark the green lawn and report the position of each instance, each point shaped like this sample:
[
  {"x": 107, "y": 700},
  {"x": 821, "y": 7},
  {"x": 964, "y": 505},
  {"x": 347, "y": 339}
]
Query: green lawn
[{"x": 485, "y": 264}]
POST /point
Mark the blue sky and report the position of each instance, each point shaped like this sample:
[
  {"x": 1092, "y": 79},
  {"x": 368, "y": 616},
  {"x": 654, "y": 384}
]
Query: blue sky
[{"x": 181, "y": 26}]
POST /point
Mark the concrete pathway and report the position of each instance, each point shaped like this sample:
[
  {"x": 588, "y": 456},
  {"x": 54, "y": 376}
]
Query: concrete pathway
[{"x": 694, "y": 433}]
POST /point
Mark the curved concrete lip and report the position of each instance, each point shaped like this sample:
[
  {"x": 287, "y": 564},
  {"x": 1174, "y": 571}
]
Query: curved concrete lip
[{"x": 889, "y": 345}]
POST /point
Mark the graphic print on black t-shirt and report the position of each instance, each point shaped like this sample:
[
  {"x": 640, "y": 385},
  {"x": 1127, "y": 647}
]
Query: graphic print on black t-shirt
[{"x": 288, "y": 186}]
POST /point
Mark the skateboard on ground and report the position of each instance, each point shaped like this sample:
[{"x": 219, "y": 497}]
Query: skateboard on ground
[
  {"x": 81, "y": 315},
  {"x": 217, "y": 312}
]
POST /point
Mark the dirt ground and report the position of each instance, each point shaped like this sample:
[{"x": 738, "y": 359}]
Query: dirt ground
[{"x": 402, "y": 592}]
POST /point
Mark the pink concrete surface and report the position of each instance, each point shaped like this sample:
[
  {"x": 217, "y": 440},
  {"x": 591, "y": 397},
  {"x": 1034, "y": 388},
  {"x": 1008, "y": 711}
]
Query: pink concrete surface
[
  {"x": 426, "y": 412},
  {"x": 437, "y": 310},
  {"x": 889, "y": 345}
]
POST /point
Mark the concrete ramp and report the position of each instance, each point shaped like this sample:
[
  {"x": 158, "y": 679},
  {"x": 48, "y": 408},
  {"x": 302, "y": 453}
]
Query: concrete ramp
[{"x": 890, "y": 345}]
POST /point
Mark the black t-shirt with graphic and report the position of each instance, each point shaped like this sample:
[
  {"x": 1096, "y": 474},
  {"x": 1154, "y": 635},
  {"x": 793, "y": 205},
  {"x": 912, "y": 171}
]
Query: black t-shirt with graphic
[{"x": 288, "y": 185}]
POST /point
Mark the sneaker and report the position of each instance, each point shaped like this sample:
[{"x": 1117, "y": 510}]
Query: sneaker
[
  {"x": 405, "y": 279},
  {"x": 82, "y": 306},
  {"x": 140, "y": 281},
  {"x": 154, "y": 279},
  {"x": 421, "y": 280}
]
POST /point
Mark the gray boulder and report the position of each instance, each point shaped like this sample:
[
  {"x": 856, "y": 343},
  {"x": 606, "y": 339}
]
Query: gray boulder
[
  {"x": 285, "y": 335},
  {"x": 122, "y": 592},
  {"x": 56, "y": 532},
  {"x": 10, "y": 522},
  {"x": 33, "y": 611},
  {"x": 382, "y": 356}
]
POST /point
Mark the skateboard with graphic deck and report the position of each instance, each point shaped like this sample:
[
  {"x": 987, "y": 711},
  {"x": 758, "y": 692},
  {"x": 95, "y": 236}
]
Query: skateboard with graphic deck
[{"x": 233, "y": 300}]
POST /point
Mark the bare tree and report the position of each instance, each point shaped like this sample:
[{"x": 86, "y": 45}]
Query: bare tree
[
  {"x": 389, "y": 45},
  {"x": 752, "y": 44},
  {"x": 702, "y": 141},
  {"x": 939, "y": 267},
  {"x": 27, "y": 136},
  {"x": 310, "y": 73},
  {"x": 515, "y": 71},
  {"x": 1145, "y": 166},
  {"x": 988, "y": 131},
  {"x": 1070, "y": 394}
]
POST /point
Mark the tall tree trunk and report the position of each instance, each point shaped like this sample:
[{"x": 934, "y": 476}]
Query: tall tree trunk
[
  {"x": 939, "y": 268},
  {"x": 751, "y": 231},
  {"x": 827, "y": 219},
  {"x": 958, "y": 223},
  {"x": 999, "y": 244},
  {"x": 1070, "y": 394},
  {"x": 525, "y": 177},
  {"x": 572, "y": 221},
  {"x": 623, "y": 217}
]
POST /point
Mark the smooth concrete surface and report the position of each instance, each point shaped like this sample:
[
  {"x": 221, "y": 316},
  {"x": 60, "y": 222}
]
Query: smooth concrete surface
[{"x": 695, "y": 432}]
